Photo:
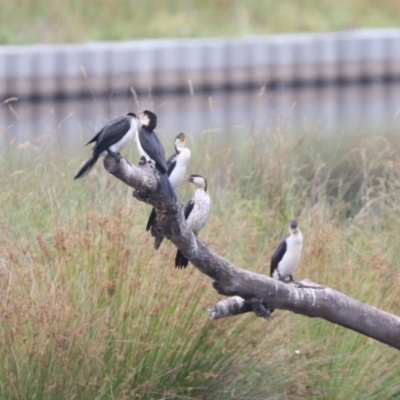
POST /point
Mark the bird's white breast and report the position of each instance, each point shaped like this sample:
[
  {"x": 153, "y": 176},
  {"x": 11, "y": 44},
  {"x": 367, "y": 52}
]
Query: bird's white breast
[
  {"x": 199, "y": 215},
  {"x": 291, "y": 258},
  {"x": 140, "y": 148},
  {"x": 178, "y": 173},
  {"x": 117, "y": 147}
]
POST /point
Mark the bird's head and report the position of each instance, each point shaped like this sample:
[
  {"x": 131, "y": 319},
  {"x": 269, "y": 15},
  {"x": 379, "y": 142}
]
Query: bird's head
[
  {"x": 180, "y": 141},
  {"x": 293, "y": 227},
  {"x": 199, "y": 181},
  {"x": 148, "y": 119},
  {"x": 132, "y": 115}
]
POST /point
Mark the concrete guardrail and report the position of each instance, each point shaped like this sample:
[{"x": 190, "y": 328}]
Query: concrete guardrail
[{"x": 54, "y": 71}]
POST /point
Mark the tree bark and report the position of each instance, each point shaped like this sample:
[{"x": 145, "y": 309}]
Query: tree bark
[{"x": 250, "y": 291}]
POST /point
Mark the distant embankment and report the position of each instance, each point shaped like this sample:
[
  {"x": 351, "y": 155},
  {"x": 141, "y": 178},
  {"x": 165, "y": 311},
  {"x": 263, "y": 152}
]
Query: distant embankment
[{"x": 60, "y": 71}]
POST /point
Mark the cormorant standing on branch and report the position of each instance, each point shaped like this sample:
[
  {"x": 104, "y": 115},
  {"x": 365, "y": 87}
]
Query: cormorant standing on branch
[
  {"x": 176, "y": 169},
  {"x": 196, "y": 213},
  {"x": 287, "y": 255},
  {"x": 110, "y": 140},
  {"x": 178, "y": 162},
  {"x": 152, "y": 150}
]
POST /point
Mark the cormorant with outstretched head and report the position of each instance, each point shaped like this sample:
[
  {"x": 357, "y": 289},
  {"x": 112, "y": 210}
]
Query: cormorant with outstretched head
[{"x": 176, "y": 169}]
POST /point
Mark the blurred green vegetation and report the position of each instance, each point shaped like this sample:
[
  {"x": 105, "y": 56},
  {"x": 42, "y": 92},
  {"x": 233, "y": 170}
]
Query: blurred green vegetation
[
  {"x": 89, "y": 310},
  {"x": 72, "y": 21}
]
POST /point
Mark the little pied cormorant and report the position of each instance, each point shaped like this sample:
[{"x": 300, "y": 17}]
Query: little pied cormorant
[
  {"x": 287, "y": 256},
  {"x": 196, "y": 213},
  {"x": 178, "y": 162},
  {"x": 110, "y": 140},
  {"x": 152, "y": 150},
  {"x": 176, "y": 169}
]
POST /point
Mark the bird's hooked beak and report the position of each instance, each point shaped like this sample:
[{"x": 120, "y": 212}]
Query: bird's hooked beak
[
  {"x": 293, "y": 226},
  {"x": 182, "y": 137},
  {"x": 137, "y": 119},
  {"x": 143, "y": 119}
]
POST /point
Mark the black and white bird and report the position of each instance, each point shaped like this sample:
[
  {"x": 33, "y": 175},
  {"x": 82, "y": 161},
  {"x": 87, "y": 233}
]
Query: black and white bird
[
  {"x": 287, "y": 256},
  {"x": 153, "y": 151},
  {"x": 196, "y": 213},
  {"x": 110, "y": 140},
  {"x": 176, "y": 164}
]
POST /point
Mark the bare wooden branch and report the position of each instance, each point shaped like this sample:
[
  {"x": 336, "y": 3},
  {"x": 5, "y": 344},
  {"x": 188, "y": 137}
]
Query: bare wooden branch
[
  {"x": 229, "y": 307},
  {"x": 251, "y": 291}
]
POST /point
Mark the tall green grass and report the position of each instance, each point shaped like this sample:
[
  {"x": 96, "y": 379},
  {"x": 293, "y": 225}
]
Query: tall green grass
[
  {"x": 89, "y": 310},
  {"x": 43, "y": 21}
]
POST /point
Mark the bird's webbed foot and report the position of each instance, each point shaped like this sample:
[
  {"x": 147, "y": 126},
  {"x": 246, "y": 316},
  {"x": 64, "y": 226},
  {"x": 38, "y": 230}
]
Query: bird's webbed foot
[
  {"x": 152, "y": 165},
  {"x": 117, "y": 156},
  {"x": 142, "y": 161},
  {"x": 289, "y": 280},
  {"x": 282, "y": 279},
  {"x": 297, "y": 283},
  {"x": 260, "y": 310},
  {"x": 141, "y": 195}
]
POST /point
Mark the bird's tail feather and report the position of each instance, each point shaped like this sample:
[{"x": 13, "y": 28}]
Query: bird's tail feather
[
  {"x": 157, "y": 241},
  {"x": 180, "y": 260},
  {"x": 86, "y": 167},
  {"x": 166, "y": 187},
  {"x": 151, "y": 220}
]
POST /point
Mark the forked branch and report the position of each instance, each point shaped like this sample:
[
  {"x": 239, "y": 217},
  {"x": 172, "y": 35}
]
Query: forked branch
[{"x": 250, "y": 291}]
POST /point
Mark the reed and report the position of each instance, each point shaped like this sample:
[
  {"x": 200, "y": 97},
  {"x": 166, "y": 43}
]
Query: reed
[{"x": 90, "y": 310}]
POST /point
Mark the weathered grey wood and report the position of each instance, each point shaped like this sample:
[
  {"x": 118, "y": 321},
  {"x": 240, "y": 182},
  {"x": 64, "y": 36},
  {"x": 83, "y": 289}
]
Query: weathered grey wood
[
  {"x": 257, "y": 292},
  {"x": 330, "y": 305},
  {"x": 229, "y": 307}
]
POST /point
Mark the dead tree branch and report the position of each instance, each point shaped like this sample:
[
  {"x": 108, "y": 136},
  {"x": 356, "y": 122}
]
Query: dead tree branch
[{"x": 251, "y": 291}]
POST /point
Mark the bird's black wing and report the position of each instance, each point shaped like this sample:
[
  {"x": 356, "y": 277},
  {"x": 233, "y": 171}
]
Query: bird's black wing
[
  {"x": 112, "y": 133},
  {"x": 95, "y": 138},
  {"x": 180, "y": 260},
  {"x": 278, "y": 255},
  {"x": 152, "y": 219},
  {"x": 153, "y": 148},
  {"x": 188, "y": 208},
  {"x": 171, "y": 163}
]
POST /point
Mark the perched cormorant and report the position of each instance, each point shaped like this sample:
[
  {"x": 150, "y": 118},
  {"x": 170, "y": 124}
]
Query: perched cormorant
[
  {"x": 153, "y": 151},
  {"x": 287, "y": 256},
  {"x": 178, "y": 162},
  {"x": 110, "y": 140},
  {"x": 176, "y": 169},
  {"x": 196, "y": 213}
]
